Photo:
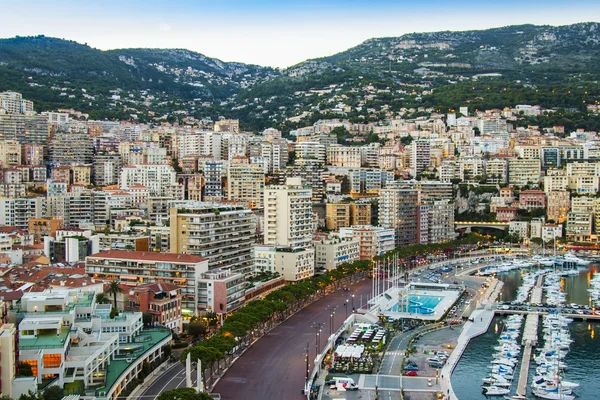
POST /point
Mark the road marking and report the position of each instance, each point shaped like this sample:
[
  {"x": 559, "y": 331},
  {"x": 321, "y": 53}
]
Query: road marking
[
  {"x": 167, "y": 384},
  {"x": 161, "y": 375}
]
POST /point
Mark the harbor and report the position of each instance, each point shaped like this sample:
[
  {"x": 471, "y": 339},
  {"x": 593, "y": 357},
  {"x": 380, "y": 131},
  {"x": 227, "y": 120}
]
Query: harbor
[{"x": 535, "y": 368}]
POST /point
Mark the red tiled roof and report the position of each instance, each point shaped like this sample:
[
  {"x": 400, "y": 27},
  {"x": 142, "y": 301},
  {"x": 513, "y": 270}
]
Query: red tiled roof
[
  {"x": 148, "y": 255},
  {"x": 12, "y": 295}
]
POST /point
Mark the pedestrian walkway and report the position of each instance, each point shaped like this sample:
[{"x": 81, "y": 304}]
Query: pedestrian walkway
[
  {"x": 529, "y": 339},
  {"x": 478, "y": 324}
]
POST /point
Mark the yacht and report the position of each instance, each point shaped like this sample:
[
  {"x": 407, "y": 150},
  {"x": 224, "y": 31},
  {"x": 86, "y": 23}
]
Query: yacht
[
  {"x": 552, "y": 395},
  {"x": 495, "y": 391}
]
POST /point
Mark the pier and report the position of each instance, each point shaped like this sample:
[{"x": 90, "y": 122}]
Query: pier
[
  {"x": 529, "y": 340},
  {"x": 536, "y": 292}
]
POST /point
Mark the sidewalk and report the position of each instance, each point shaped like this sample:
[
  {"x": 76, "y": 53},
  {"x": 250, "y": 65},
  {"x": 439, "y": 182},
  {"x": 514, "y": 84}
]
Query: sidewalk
[
  {"x": 478, "y": 324},
  {"x": 481, "y": 320}
]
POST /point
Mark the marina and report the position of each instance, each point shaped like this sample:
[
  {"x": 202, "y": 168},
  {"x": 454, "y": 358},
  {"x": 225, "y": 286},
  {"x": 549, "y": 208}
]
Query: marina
[{"x": 563, "y": 329}]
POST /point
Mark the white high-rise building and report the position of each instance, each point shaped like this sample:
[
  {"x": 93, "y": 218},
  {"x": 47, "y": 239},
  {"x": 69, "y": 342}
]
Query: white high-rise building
[
  {"x": 420, "y": 156},
  {"x": 156, "y": 177},
  {"x": 288, "y": 214}
]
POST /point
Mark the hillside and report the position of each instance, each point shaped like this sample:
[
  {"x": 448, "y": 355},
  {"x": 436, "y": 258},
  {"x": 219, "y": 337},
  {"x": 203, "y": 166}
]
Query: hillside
[
  {"x": 56, "y": 72},
  {"x": 556, "y": 66}
]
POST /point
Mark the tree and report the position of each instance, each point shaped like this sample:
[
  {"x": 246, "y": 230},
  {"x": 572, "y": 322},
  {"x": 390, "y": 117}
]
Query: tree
[
  {"x": 147, "y": 319},
  {"x": 53, "y": 393},
  {"x": 31, "y": 396},
  {"x": 183, "y": 394},
  {"x": 114, "y": 289},
  {"x": 196, "y": 329},
  {"x": 102, "y": 299},
  {"x": 25, "y": 369}
]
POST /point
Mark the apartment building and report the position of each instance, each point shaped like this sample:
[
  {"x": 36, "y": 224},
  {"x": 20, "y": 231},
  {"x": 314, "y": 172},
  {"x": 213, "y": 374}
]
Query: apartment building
[
  {"x": 13, "y": 103},
  {"x": 39, "y": 227},
  {"x": 440, "y": 224},
  {"x": 522, "y": 172},
  {"x": 26, "y": 128},
  {"x": 82, "y": 175},
  {"x": 288, "y": 214},
  {"x": 222, "y": 233},
  {"x": 471, "y": 169},
  {"x": 162, "y": 301},
  {"x": 106, "y": 168},
  {"x": 221, "y": 291},
  {"x": 559, "y": 204},
  {"x": 314, "y": 151},
  {"x": 555, "y": 181},
  {"x": 310, "y": 173},
  {"x": 123, "y": 241},
  {"x": 332, "y": 251},
  {"x": 8, "y": 355},
  {"x": 70, "y": 148},
  {"x": 519, "y": 228},
  {"x": 579, "y": 226},
  {"x": 293, "y": 263},
  {"x": 65, "y": 335},
  {"x": 214, "y": 172},
  {"x": 156, "y": 177},
  {"x": 246, "y": 182},
  {"x": 363, "y": 180},
  {"x": 10, "y": 153},
  {"x": 420, "y": 156},
  {"x": 530, "y": 199},
  {"x": 373, "y": 240},
  {"x": 448, "y": 171},
  {"x": 584, "y": 184},
  {"x": 496, "y": 171},
  {"x": 17, "y": 211},
  {"x": 344, "y": 156},
  {"x": 399, "y": 210},
  {"x": 182, "y": 270}
]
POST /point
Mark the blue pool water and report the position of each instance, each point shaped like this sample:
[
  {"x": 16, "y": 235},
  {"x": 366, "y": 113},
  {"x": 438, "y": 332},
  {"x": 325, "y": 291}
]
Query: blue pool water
[{"x": 418, "y": 304}]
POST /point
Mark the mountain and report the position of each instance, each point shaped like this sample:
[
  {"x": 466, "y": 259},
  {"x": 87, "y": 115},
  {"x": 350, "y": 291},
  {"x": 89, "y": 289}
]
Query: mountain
[
  {"x": 56, "y": 72},
  {"x": 546, "y": 65}
]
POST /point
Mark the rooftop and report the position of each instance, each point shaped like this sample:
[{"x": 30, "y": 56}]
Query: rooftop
[
  {"x": 118, "y": 366},
  {"x": 46, "y": 339}
]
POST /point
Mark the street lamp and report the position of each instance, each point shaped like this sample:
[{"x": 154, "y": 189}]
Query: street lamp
[
  {"x": 318, "y": 326},
  {"x": 352, "y": 302},
  {"x": 331, "y": 310},
  {"x": 437, "y": 375},
  {"x": 306, "y": 359},
  {"x": 346, "y": 307}
]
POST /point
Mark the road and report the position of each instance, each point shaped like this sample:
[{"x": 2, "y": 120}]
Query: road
[
  {"x": 172, "y": 378},
  {"x": 274, "y": 367}
]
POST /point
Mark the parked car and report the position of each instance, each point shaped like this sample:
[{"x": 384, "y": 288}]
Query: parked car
[
  {"x": 410, "y": 373},
  {"x": 411, "y": 368}
]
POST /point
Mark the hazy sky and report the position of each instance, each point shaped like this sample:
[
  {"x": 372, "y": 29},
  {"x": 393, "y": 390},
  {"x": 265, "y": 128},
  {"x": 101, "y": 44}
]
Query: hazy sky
[{"x": 277, "y": 33}]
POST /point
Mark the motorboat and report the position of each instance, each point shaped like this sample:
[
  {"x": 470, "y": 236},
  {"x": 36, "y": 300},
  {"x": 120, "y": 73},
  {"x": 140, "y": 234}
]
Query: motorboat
[
  {"x": 505, "y": 361},
  {"x": 495, "y": 391},
  {"x": 552, "y": 395}
]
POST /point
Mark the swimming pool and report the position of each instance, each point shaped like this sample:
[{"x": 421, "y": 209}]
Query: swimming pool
[{"x": 418, "y": 304}]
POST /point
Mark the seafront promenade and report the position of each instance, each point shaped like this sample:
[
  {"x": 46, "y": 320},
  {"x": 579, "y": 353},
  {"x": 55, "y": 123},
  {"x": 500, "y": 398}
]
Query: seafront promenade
[{"x": 478, "y": 324}]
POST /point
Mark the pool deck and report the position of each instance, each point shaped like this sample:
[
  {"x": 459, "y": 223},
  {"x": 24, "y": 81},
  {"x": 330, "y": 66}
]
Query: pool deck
[{"x": 449, "y": 297}]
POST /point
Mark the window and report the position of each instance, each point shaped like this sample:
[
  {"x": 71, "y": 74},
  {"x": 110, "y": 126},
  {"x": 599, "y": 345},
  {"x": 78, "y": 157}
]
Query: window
[{"x": 52, "y": 360}]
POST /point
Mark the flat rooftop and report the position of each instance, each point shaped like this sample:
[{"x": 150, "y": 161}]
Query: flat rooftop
[
  {"x": 118, "y": 366},
  {"x": 46, "y": 339}
]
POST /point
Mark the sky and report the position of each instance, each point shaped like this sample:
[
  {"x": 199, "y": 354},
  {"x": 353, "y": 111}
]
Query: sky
[{"x": 275, "y": 33}]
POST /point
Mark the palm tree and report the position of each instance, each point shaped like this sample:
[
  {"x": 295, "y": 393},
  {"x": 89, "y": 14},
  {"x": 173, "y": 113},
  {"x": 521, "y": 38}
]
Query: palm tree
[
  {"x": 102, "y": 299},
  {"x": 114, "y": 289}
]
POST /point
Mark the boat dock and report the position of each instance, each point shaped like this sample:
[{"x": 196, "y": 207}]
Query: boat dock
[
  {"x": 529, "y": 340},
  {"x": 536, "y": 292}
]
